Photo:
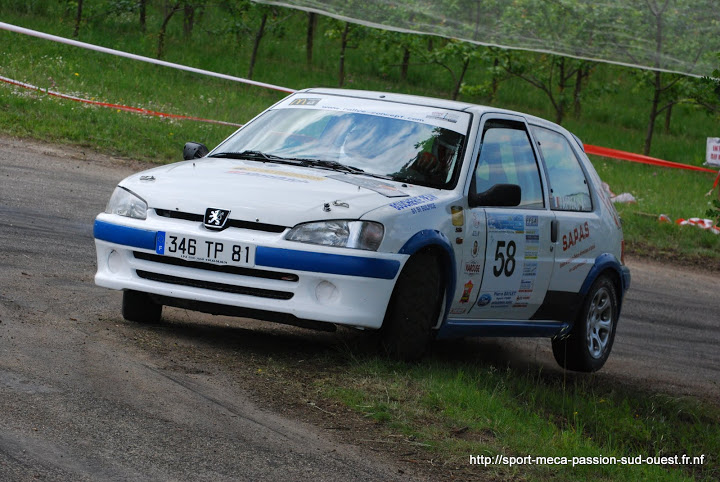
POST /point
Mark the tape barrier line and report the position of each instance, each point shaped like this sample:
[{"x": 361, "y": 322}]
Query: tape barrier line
[
  {"x": 120, "y": 53},
  {"x": 137, "y": 110},
  {"x": 628, "y": 156}
]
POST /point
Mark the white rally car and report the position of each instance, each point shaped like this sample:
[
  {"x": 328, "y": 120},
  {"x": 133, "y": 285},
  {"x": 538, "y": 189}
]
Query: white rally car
[{"x": 417, "y": 217}]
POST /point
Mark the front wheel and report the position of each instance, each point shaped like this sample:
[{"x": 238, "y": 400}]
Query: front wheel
[
  {"x": 587, "y": 347},
  {"x": 140, "y": 308},
  {"x": 413, "y": 309}
]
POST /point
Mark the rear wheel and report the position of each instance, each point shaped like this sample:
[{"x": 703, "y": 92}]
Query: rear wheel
[
  {"x": 140, "y": 308},
  {"x": 587, "y": 347},
  {"x": 413, "y": 309}
]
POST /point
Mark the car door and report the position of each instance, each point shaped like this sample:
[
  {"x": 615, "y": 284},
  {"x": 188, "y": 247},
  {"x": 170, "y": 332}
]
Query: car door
[
  {"x": 509, "y": 257},
  {"x": 578, "y": 220}
]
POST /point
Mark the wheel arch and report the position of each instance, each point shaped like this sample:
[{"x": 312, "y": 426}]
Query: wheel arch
[
  {"x": 438, "y": 244},
  {"x": 608, "y": 265}
]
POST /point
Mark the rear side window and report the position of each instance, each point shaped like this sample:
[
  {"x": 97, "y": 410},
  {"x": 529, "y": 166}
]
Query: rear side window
[
  {"x": 569, "y": 189},
  {"x": 506, "y": 157}
]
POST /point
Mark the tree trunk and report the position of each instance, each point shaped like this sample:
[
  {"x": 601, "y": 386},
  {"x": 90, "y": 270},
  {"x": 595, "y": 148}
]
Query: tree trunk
[
  {"x": 78, "y": 18},
  {"x": 188, "y": 20},
  {"x": 343, "y": 47},
  {"x": 163, "y": 30},
  {"x": 653, "y": 113},
  {"x": 560, "y": 105},
  {"x": 143, "y": 9},
  {"x": 459, "y": 82},
  {"x": 312, "y": 24},
  {"x": 256, "y": 45},
  {"x": 577, "y": 107},
  {"x": 494, "y": 84},
  {"x": 405, "y": 64}
]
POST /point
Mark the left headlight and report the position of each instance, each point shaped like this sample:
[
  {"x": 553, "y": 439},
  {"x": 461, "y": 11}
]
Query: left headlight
[
  {"x": 345, "y": 234},
  {"x": 125, "y": 203}
]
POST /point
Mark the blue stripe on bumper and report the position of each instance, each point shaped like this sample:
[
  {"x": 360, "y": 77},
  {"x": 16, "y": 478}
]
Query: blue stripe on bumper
[
  {"x": 326, "y": 263},
  {"x": 113, "y": 233},
  {"x": 264, "y": 256}
]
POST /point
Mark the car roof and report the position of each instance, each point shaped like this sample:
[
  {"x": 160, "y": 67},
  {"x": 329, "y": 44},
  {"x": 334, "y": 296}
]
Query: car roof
[{"x": 435, "y": 102}]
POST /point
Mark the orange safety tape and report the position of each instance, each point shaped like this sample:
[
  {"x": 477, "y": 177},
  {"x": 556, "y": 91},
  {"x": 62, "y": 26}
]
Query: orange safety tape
[
  {"x": 138, "y": 110},
  {"x": 629, "y": 156}
]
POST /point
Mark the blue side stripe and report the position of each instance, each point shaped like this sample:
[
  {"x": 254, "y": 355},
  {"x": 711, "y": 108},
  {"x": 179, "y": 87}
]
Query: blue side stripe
[
  {"x": 326, "y": 263},
  {"x": 114, "y": 233},
  {"x": 458, "y": 328}
]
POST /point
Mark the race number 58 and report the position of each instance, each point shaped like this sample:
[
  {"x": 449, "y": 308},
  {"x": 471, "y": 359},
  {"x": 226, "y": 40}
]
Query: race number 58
[{"x": 506, "y": 259}]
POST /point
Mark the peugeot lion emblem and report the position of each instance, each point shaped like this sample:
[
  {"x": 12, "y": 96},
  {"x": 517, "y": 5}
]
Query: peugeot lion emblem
[{"x": 216, "y": 218}]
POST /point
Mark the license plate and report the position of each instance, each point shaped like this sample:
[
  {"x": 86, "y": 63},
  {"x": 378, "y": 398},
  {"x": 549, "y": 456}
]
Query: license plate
[{"x": 193, "y": 248}]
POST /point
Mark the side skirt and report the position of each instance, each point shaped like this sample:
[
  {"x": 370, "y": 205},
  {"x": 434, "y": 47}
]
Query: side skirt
[{"x": 458, "y": 328}]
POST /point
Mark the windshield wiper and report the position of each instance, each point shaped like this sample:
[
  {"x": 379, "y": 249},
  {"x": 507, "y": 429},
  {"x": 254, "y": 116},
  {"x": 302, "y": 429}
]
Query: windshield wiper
[
  {"x": 333, "y": 165},
  {"x": 319, "y": 163},
  {"x": 254, "y": 156}
]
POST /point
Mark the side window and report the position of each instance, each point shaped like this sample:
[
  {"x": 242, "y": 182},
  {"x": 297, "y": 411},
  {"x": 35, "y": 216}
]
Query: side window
[
  {"x": 506, "y": 157},
  {"x": 568, "y": 187}
]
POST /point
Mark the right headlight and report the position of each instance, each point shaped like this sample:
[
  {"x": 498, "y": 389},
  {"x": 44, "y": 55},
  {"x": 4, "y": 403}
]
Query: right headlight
[
  {"x": 125, "y": 203},
  {"x": 344, "y": 234}
]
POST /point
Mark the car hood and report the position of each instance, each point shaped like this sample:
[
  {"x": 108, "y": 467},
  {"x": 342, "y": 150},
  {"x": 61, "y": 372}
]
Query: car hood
[{"x": 265, "y": 192}]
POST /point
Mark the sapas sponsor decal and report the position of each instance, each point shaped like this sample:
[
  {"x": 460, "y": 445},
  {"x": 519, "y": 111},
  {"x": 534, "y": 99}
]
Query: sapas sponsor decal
[
  {"x": 577, "y": 235},
  {"x": 466, "y": 292}
]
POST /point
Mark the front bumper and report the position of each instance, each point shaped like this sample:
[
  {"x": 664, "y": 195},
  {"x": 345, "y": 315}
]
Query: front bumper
[{"x": 335, "y": 285}]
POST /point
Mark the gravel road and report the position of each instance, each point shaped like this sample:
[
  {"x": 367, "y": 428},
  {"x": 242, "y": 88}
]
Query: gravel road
[{"x": 85, "y": 395}]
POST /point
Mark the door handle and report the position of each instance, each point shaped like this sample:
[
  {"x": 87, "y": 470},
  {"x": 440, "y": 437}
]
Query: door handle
[{"x": 554, "y": 225}]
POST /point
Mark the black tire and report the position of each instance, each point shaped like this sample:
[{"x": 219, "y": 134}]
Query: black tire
[
  {"x": 140, "y": 308},
  {"x": 413, "y": 309},
  {"x": 588, "y": 346}
]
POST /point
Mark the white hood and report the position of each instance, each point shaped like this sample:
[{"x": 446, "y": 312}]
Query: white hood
[{"x": 264, "y": 192}]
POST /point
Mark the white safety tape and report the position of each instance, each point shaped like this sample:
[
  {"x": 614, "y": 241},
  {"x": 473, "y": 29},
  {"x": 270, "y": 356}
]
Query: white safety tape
[{"x": 119, "y": 53}]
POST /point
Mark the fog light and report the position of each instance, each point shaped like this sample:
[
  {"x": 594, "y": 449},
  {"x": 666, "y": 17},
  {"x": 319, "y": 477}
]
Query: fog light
[
  {"x": 114, "y": 261},
  {"x": 327, "y": 293}
]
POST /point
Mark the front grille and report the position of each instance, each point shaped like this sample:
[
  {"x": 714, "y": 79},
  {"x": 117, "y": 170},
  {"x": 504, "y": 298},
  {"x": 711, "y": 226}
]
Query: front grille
[
  {"x": 231, "y": 223},
  {"x": 208, "y": 285},
  {"x": 252, "y": 272}
]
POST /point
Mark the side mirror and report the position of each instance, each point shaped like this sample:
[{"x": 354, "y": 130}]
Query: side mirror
[
  {"x": 500, "y": 195},
  {"x": 194, "y": 150}
]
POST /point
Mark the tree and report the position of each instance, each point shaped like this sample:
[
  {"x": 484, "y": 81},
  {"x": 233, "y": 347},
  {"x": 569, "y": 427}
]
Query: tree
[
  {"x": 78, "y": 18},
  {"x": 552, "y": 74},
  {"x": 705, "y": 92},
  {"x": 669, "y": 89},
  {"x": 169, "y": 12},
  {"x": 546, "y": 24},
  {"x": 348, "y": 34},
  {"x": 311, "y": 28}
]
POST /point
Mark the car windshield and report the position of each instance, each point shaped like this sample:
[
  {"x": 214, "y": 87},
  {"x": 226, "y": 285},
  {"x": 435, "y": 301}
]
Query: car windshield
[{"x": 399, "y": 149}]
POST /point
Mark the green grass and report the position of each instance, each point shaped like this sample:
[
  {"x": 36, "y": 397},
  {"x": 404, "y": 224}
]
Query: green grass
[{"x": 460, "y": 409}]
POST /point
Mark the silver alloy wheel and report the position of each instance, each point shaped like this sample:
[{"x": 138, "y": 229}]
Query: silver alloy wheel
[{"x": 599, "y": 322}]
